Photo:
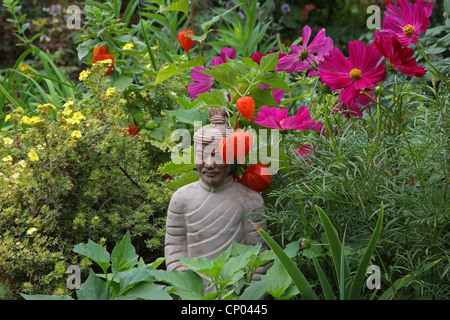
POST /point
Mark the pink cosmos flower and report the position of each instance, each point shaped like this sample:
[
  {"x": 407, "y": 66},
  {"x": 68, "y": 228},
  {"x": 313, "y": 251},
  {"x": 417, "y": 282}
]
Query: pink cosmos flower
[
  {"x": 400, "y": 58},
  {"x": 359, "y": 71},
  {"x": 278, "y": 119},
  {"x": 355, "y": 106},
  {"x": 406, "y": 21},
  {"x": 202, "y": 82},
  {"x": 224, "y": 53},
  {"x": 303, "y": 57},
  {"x": 304, "y": 150}
]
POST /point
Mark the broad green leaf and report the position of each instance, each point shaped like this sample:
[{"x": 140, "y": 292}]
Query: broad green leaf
[
  {"x": 294, "y": 272},
  {"x": 188, "y": 284},
  {"x": 131, "y": 277},
  {"x": 269, "y": 62},
  {"x": 359, "y": 278},
  {"x": 277, "y": 272},
  {"x": 189, "y": 116},
  {"x": 188, "y": 177},
  {"x": 182, "y": 6},
  {"x": 95, "y": 252},
  {"x": 146, "y": 291},
  {"x": 263, "y": 97},
  {"x": 174, "y": 69},
  {"x": 122, "y": 82},
  {"x": 213, "y": 99},
  {"x": 274, "y": 81},
  {"x": 123, "y": 255},
  {"x": 257, "y": 289},
  {"x": 93, "y": 288}
]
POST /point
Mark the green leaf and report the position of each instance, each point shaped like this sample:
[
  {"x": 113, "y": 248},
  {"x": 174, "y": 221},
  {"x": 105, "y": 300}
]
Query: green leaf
[
  {"x": 128, "y": 279},
  {"x": 269, "y": 62},
  {"x": 294, "y": 272},
  {"x": 257, "y": 289},
  {"x": 274, "y": 81},
  {"x": 95, "y": 252},
  {"x": 93, "y": 288},
  {"x": 335, "y": 248},
  {"x": 202, "y": 265},
  {"x": 358, "y": 280},
  {"x": 188, "y": 177},
  {"x": 326, "y": 288},
  {"x": 182, "y": 6},
  {"x": 213, "y": 99},
  {"x": 122, "y": 82},
  {"x": 188, "y": 284},
  {"x": 206, "y": 25},
  {"x": 189, "y": 116},
  {"x": 123, "y": 255},
  {"x": 277, "y": 272},
  {"x": 146, "y": 291},
  {"x": 173, "y": 69}
]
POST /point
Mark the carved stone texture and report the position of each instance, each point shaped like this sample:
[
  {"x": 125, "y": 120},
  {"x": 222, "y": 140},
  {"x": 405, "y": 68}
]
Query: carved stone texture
[{"x": 204, "y": 217}]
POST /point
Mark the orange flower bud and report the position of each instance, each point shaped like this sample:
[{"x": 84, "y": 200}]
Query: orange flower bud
[
  {"x": 257, "y": 176},
  {"x": 246, "y": 106},
  {"x": 186, "y": 42}
]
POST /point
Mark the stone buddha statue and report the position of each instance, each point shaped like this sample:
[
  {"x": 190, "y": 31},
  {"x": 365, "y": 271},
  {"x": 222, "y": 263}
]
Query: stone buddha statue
[{"x": 205, "y": 216}]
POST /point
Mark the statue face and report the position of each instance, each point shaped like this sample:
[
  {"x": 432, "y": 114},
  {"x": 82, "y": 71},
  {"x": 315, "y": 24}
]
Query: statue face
[{"x": 210, "y": 165}]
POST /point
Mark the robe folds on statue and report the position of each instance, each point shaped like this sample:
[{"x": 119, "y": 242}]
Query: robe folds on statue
[{"x": 203, "y": 220}]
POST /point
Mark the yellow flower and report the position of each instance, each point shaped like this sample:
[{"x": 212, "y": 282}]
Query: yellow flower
[
  {"x": 7, "y": 117},
  {"x": 8, "y": 141},
  {"x": 23, "y": 67},
  {"x": 67, "y": 112},
  {"x": 148, "y": 66},
  {"x": 76, "y": 134},
  {"x": 8, "y": 159},
  {"x": 76, "y": 118},
  {"x": 84, "y": 75},
  {"x": 25, "y": 120},
  {"x": 128, "y": 46},
  {"x": 110, "y": 91},
  {"x": 69, "y": 104},
  {"x": 33, "y": 155},
  {"x": 30, "y": 231},
  {"x": 35, "y": 119},
  {"x": 22, "y": 163}
]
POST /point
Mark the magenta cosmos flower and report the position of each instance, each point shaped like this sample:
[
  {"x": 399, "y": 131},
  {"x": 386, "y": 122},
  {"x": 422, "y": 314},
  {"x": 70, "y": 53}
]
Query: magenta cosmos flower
[
  {"x": 202, "y": 82},
  {"x": 303, "y": 57},
  {"x": 406, "y": 21},
  {"x": 278, "y": 119},
  {"x": 224, "y": 53},
  {"x": 357, "y": 72},
  {"x": 398, "y": 57}
]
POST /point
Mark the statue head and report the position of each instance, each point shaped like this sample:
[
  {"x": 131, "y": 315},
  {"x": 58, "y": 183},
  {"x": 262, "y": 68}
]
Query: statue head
[{"x": 209, "y": 163}]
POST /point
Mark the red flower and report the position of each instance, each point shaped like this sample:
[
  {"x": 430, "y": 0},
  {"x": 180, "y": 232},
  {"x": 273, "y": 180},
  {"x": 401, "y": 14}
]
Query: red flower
[
  {"x": 257, "y": 176},
  {"x": 246, "y": 106},
  {"x": 236, "y": 145},
  {"x": 131, "y": 129},
  {"x": 100, "y": 54},
  {"x": 185, "y": 42},
  {"x": 399, "y": 57}
]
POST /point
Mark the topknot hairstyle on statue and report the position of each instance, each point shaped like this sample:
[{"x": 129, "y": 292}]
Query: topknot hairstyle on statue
[{"x": 216, "y": 130}]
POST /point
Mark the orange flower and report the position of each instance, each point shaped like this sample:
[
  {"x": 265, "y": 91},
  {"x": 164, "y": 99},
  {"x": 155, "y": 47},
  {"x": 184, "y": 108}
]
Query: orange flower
[
  {"x": 236, "y": 145},
  {"x": 186, "y": 42},
  {"x": 246, "y": 106},
  {"x": 100, "y": 54},
  {"x": 257, "y": 176}
]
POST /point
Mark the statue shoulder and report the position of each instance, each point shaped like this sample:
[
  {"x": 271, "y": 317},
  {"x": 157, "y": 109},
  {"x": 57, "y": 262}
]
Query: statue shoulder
[
  {"x": 183, "y": 196},
  {"x": 249, "y": 196}
]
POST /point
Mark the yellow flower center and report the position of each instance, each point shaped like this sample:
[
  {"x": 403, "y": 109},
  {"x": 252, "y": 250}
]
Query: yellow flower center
[
  {"x": 355, "y": 74},
  {"x": 281, "y": 122},
  {"x": 408, "y": 30}
]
